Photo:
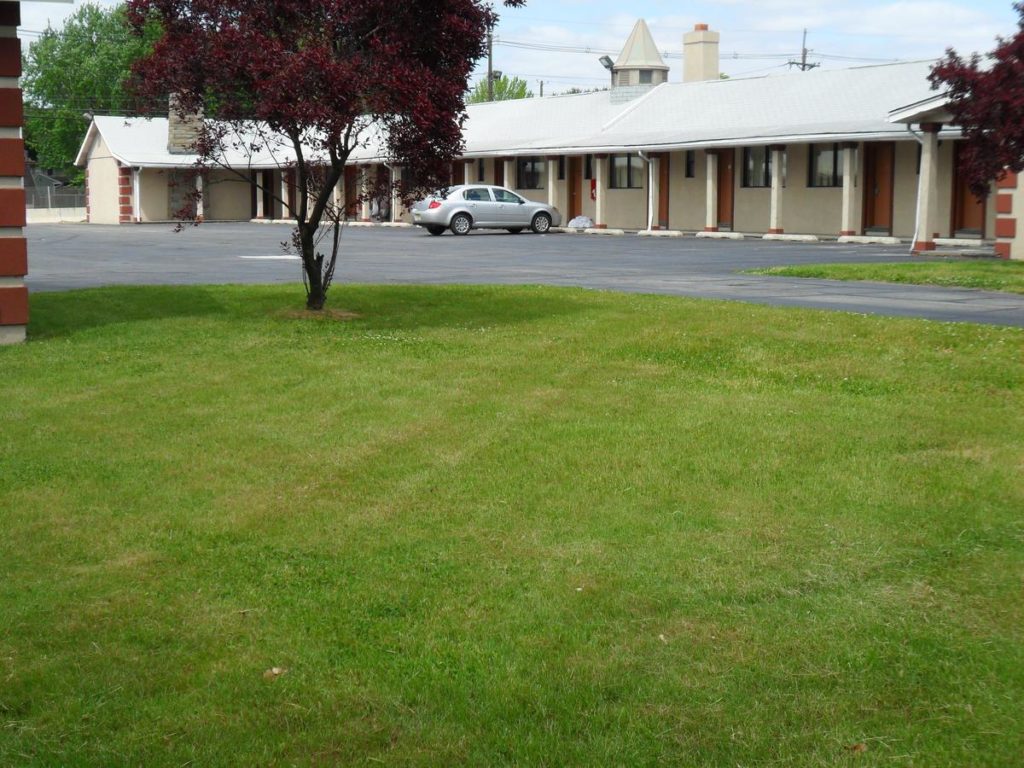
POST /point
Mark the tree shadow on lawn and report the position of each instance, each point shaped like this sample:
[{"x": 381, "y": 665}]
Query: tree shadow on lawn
[
  {"x": 412, "y": 307},
  {"x": 59, "y": 314},
  {"x": 384, "y": 307}
]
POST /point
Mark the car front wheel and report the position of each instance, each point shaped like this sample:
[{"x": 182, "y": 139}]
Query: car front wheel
[
  {"x": 461, "y": 224},
  {"x": 541, "y": 223}
]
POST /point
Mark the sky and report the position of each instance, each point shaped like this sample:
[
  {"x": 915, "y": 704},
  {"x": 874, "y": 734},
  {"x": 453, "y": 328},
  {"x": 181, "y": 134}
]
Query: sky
[{"x": 559, "y": 41}]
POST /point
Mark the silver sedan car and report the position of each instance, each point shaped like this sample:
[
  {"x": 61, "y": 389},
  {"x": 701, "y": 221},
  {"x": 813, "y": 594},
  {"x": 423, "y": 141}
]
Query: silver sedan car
[{"x": 482, "y": 206}]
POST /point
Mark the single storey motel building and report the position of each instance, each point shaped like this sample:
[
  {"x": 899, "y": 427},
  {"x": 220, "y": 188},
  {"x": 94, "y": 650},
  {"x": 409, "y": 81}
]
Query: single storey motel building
[{"x": 860, "y": 153}]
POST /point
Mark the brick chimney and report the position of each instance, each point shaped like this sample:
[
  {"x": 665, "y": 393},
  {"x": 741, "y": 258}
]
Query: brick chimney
[
  {"x": 182, "y": 129},
  {"x": 700, "y": 55}
]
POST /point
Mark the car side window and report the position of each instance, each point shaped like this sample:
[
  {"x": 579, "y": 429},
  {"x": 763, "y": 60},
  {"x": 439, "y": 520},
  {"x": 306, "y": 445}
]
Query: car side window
[
  {"x": 504, "y": 196},
  {"x": 477, "y": 194}
]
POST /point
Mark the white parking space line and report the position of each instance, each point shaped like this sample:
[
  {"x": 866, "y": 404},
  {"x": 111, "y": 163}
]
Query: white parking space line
[{"x": 282, "y": 257}]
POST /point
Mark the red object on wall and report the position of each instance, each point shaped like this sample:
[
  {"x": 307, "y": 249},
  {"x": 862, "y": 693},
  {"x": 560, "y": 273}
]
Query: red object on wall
[
  {"x": 14, "y": 305},
  {"x": 13, "y": 257},
  {"x": 10, "y": 57},
  {"x": 12, "y": 157},
  {"x": 12, "y": 207},
  {"x": 13, "y": 250},
  {"x": 1006, "y": 229},
  {"x": 12, "y": 114}
]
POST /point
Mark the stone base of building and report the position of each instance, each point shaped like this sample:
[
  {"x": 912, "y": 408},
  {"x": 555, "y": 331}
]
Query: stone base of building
[{"x": 12, "y": 334}]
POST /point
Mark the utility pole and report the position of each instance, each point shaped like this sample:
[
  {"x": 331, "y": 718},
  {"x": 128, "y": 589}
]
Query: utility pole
[
  {"x": 802, "y": 64},
  {"x": 542, "y": 89},
  {"x": 490, "y": 62}
]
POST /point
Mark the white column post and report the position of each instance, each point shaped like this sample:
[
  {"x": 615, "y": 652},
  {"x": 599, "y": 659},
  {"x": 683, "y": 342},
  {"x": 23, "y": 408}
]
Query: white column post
[
  {"x": 927, "y": 220},
  {"x": 775, "y": 223},
  {"x": 200, "y": 207},
  {"x": 553, "y": 181},
  {"x": 471, "y": 171},
  {"x": 286, "y": 210},
  {"x": 364, "y": 191},
  {"x": 136, "y": 194},
  {"x": 711, "y": 205},
  {"x": 653, "y": 192},
  {"x": 510, "y": 173},
  {"x": 600, "y": 168},
  {"x": 396, "y": 197},
  {"x": 260, "y": 181},
  {"x": 849, "y": 193},
  {"x": 338, "y": 193}
]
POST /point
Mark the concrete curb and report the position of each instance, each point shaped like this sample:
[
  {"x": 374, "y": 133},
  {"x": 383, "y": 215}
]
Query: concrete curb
[
  {"x": 792, "y": 238},
  {"x": 720, "y": 235},
  {"x": 616, "y": 232},
  {"x": 959, "y": 242},
  {"x": 868, "y": 240},
  {"x": 660, "y": 233}
]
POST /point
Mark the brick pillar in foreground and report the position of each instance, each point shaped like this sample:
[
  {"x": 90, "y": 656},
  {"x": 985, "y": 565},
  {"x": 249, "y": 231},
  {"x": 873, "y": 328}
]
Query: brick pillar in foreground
[
  {"x": 1009, "y": 206},
  {"x": 13, "y": 250}
]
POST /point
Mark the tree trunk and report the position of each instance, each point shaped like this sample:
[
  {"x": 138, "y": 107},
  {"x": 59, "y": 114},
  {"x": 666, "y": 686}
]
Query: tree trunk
[{"x": 317, "y": 296}]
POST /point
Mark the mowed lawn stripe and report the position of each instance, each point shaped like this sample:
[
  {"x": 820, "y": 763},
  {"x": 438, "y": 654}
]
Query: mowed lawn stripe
[{"x": 506, "y": 525}]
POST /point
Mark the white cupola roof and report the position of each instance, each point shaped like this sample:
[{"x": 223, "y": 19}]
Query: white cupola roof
[{"x": 640, "y": 51}]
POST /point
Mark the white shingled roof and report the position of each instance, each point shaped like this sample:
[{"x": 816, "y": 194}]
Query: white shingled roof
[
  {"x": 142, "y": 142},
  {"x": 820, "y": 105},
  {"x": 834, "y": 105}
]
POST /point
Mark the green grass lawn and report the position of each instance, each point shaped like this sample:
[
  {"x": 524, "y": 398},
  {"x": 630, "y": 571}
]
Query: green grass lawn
[
  {"x": 523, "y": 526},
  {"x": 986, "y": 274}
]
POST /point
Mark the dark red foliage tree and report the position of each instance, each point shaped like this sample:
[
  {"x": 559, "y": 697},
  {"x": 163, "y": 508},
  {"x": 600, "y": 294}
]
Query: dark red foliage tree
[
  {"x": 987, "y": 102},
  {"x": 320, "y": 78}
]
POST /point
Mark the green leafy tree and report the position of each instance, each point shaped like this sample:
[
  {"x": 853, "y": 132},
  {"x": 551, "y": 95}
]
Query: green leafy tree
[
  {"x": 80, "y": 68},
  {"x": 505, "y": 88}
]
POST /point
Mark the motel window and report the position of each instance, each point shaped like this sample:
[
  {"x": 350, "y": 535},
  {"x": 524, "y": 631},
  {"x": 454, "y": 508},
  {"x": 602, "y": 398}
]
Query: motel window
[
  {"x": 480, "y": 173},
  {"x": 627, "y": 172},
  {"x": 561, "y": 167},
  {"x": 825, "y": 166},
  {"x": 588, "y": 167},
  {"x": 530, "y": 172},
  {"x": 757, "y": 167},
  {"x": 691, "y": 163}
]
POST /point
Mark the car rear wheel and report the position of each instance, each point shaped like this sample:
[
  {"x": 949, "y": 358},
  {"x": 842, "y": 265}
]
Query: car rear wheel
[
  {"x": 515, "y": 230},
  {"x": 541, "y": 223},
  {"x": 435, "y": 230},
  {"x": 461, "y": 224}
]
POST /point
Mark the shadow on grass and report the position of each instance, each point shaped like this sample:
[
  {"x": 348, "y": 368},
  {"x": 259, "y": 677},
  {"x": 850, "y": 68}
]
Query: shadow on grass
[
  {"x": 386, "y": 307},
  {"x": 66, "y": 313}
]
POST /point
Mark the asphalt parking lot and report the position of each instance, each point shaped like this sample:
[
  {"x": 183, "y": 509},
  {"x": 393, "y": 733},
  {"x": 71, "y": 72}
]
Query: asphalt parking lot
[{"x": 68, "y": 256}]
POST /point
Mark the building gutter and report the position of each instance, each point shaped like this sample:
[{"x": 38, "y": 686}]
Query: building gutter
[
  {"x": 650, "y": 189},
  {"x": 920, "y": 190}
]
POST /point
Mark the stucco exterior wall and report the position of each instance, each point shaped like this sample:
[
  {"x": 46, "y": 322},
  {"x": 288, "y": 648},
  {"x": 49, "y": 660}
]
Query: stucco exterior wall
[
  {"x": 104, "y": 206},
  {"x": 1017, "y": 247},
  {"x": 687, "y": 199},
  {"x": 153, "y": 203},
  {"x": 627, "y": 208},
  {"x": 229, "y": 197},
  {"x": 752, "y": 210},
  {"x": 810, "y": 210},
  {"x": 904, "y": 204}
]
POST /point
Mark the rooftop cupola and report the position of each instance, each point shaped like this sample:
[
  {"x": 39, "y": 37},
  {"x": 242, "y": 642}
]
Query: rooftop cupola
[{"x": 639, "y": 67}]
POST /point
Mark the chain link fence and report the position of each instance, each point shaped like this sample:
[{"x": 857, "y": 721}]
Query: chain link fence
[{"x": 54, "y": 197}]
